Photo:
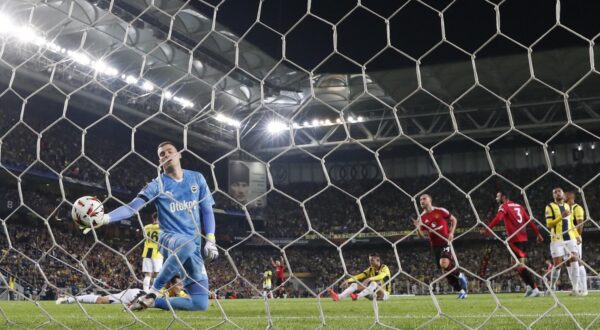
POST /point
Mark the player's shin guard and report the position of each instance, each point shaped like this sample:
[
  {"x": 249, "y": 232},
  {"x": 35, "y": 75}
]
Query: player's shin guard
[
  {"x": 146, "y": 285},
  {"x": 583, "y": 279},
  {"x": 369, "y": 291},
  {"x": 349, "y": 290},
  {"x": 574, "y": 275}
]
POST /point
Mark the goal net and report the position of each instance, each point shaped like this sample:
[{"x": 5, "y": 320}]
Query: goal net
[{"x": 320, "y": 127}]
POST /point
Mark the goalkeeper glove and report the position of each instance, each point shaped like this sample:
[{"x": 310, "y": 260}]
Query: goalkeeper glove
[
  {"x": 210, "y": 248},
  {"x": 99, "y": 223}
]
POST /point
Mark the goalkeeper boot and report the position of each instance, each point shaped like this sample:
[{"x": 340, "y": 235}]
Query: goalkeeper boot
[
  {"x": 535, "y": 293},
  {"x": 143, "y": 302},
  {"x": 334, "y": 296}
]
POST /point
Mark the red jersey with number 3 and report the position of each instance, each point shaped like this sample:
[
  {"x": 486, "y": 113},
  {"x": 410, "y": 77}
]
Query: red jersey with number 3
[
  {"x": 515, "y": 217},
  {"x": 436, "y": 221}
]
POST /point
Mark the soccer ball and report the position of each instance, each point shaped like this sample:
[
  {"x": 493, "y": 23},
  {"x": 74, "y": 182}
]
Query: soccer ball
[{"x": 86, "y": 211}]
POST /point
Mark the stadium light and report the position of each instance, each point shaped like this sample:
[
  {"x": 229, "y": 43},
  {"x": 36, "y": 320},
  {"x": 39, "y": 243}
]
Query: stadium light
[
  {"x": 593, "y": 146},
  {"x": 131, "y": 80},
  {"x": 26, "y": 34},
  {"x": 227, "y": 120},
  {"x": 275, "y": 127},
  {"x": 6, "y": 24},
  {"x": 147, "y": 86}
]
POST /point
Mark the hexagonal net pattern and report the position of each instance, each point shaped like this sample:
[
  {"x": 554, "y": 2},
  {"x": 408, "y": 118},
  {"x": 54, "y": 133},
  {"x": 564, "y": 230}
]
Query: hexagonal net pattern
[{"x": 324, "y": 131}]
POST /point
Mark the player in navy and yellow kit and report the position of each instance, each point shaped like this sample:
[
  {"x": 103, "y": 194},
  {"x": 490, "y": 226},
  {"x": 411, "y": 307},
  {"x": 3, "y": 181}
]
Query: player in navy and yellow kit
[
  {"x": 267, "y": 284},
  {"x": 563, "y": 237},
  {"x": 375, "y": 282},
  {"x": 152, "y": 259},
  {"x": 578, "y": 217}
]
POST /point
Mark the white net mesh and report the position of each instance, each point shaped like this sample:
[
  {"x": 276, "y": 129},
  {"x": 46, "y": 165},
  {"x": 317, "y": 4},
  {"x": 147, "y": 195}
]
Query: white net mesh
[{"x": 318, "y": 126}]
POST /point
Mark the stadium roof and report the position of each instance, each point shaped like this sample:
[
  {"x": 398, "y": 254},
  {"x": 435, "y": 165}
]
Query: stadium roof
[{"x": 213, "y": 66}]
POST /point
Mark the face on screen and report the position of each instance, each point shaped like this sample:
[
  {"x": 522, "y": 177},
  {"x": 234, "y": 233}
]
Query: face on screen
[{"x": 239, "y": 191}]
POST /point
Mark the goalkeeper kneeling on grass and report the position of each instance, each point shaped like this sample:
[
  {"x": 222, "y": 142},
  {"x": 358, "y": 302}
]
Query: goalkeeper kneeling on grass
[{"x": 375, "y": 282}]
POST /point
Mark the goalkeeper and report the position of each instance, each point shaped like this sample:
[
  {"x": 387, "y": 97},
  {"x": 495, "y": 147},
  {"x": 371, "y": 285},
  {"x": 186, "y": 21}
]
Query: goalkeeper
[
  {"x": 180, "y": 197},
  {"x": 375, "y": 282}
]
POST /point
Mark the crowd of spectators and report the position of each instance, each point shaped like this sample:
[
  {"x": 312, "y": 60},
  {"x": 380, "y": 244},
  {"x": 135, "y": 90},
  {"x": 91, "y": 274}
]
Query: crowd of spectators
[
  {"x": 44, "y": 258},
  {"x": 68, "y": 259}
]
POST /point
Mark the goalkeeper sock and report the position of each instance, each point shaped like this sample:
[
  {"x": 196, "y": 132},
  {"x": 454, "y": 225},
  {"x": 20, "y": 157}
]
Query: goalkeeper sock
[
  {"x": 582, "y": 279},
  {"x": 85, "y": 299},
  {"x": 146, "y": 286},
  {"x": 198, "y": 300},
  {"x": 349, "y": 290},
  {"x": 368, "y": 291}
]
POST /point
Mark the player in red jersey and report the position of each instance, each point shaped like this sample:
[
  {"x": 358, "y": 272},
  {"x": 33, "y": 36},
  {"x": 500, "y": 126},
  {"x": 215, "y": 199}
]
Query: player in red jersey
[
  {"x": 279, "y": 277},
  {"x": 515, "y": 223},
  {"x": 434, "y": 222}
]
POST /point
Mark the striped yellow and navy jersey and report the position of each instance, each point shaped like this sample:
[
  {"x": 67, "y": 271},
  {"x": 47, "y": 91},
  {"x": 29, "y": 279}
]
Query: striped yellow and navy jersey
[
  {"x": 382, "y": 276},
  {"x": 151, "y": 243},
  {"x": 267, "y": 278},
  {"x": 577, "y": 215},
  {"x": 561, "y": 228},
  {"x": 167, "y": 294}
]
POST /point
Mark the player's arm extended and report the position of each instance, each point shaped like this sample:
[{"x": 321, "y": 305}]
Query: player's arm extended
[
  {"x": 357, "y": 277},
  {"x": 495, "y": 221},
  {"x": 126, "y": 211}
]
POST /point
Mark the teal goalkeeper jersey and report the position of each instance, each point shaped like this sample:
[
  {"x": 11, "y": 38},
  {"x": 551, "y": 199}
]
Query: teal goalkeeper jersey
[{"x": 178, "y": 203}]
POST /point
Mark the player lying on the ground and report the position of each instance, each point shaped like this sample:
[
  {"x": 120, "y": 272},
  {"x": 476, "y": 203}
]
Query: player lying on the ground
[
  {"x": 180, "y": 197},
  {"x": 375, "y": 282},
  {"x": 174, "y": 288},
  {"x": 516, "y": 219},
  {"x": 434, "y": 221}
]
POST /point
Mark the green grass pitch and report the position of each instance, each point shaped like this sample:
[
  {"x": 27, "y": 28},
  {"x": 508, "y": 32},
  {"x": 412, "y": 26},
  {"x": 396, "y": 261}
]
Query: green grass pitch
[{"x": 398, "y": 312}]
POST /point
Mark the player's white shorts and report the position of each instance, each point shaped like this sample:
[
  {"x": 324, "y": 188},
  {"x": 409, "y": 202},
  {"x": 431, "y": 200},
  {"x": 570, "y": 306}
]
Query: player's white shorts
[
  {"x": 126, "y": 296},
  {"x": 152, "y": 265},
  {"x": 267, "y": 287},
  {"x": 563, "y": 248},
  {"x": 579, "y": 251}
]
